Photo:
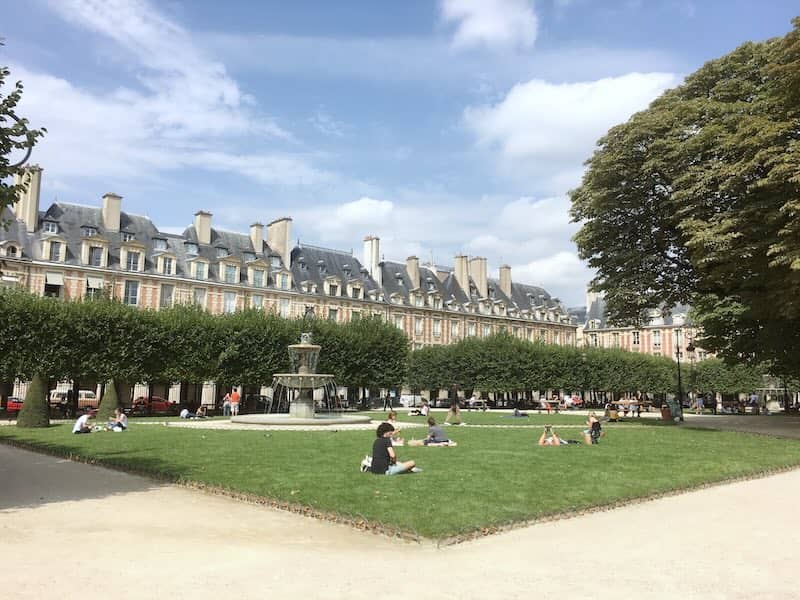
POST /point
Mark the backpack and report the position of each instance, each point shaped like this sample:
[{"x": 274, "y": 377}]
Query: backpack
[{"x": 366, "y": 464}]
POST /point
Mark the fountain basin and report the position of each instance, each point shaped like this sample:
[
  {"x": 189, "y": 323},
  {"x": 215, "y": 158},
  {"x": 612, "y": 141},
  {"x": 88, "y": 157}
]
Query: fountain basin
[{"x": 316, "y": 420}]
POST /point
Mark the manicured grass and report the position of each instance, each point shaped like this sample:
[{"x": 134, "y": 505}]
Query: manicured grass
[
  {"x": 494, "y": 477},
  {"x": 494, "y": 418}
]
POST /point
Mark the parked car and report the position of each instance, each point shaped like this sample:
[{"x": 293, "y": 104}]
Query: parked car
[
  {"x": 155, "y": 405},
  {"x": 14, "y": 405},
  {"x": 86, "y": 399}
]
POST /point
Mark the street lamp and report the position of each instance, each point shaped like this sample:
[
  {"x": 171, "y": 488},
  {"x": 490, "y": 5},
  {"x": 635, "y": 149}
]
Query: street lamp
[{"x": 690, "y": 349}]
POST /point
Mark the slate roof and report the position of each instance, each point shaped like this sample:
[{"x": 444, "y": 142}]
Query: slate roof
[
  {"x": 596, "y": 311},
  {"x": 315, "y": 264}
]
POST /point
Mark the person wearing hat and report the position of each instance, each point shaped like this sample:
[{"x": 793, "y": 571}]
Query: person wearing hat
[{"x": 384, "y": 459}]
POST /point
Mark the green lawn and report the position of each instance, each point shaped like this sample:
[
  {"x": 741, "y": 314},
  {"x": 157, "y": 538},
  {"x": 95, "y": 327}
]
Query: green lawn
[
  {"x": 492, "y": 418},
  {"x": 494, "y": 476}
]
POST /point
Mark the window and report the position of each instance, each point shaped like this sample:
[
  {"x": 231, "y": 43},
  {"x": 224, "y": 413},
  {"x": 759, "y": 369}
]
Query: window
[
  {"x": 437, "y": 328},
  {"x": 229, "y": 302},
  {"x": 258, "y": 277},
  {"x": 94, "y": 286},
  {"x": 249, "y": 256},
  {"x": 132, "y": 261},
  {"x": 333, "y": 314},
  {"x": 454, "y": 329},
  {"x": 168, "y": 265},
  {"x": 50, "y": 227},
  {"x": 167, "y": 293},
  {"x": 418, "y": 325},
  {"x": 398, "y": 322},
  {"x": 333, "y": 289},
  {"x": 230, "y": 273},
  {"x": 131, "y": 295},
  {"x": 283, "y": 281},
  {"x": 11, "y": 251},
  {"x": 275, "y": 262},
  {"x": 127, "y": 236},
  {"x": 257, "y": 301},
  {"x": 159, "y": 244},
  {"x": 593, "y": 339},
  {"x": 556, "y": 339},
  {"x": 55, "y": 251},
  {"x": 635, "y": 338},
  {"x": 285, "y": 308},
  {"x": 436, "y": 302},
  {"x": 222, "y": 252},
  {"x": 487, "y": 330},
  {"x": 515, "y": 331},
  {"x": 615, "y": 339},
  {"x": 95, "y": 256},
  {"x": 657, "y": 339},
  {"x": 471, "y": 329},
  {"x": 199, "y": 297},
  {"x": 190, "y": 247},
  {"x": 88, "y": 231},
  {"x": 419, "y": 300},
  {"x": 200, "y": 270},
  {"x": 356, "y": 293}
]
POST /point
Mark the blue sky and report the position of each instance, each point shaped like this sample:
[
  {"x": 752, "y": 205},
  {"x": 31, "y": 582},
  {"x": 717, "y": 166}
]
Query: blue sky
[{"x": 441, "y": 126}]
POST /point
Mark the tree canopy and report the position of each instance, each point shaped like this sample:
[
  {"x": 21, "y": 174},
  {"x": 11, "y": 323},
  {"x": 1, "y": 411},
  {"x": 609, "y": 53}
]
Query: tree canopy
[
  {"x": 697, "y": 200},
  {"x": 15, "y": 138}
]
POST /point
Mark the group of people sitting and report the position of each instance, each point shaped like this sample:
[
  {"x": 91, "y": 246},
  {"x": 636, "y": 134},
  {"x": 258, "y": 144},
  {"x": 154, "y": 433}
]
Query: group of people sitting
[
  {"x": 384, "y": 459},
  {"x": 118, "y": 423},
  {"x": 200, "y": 414},
  {"x": 591, "y": 435}
]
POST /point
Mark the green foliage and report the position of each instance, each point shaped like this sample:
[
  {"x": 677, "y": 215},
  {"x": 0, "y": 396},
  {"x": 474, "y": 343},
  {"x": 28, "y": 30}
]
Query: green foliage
[
  {"x": 695, "y": 200},
  {"x": 714, "y": 375},
  {"x": 36, "y": 408},
  {"x": 15, "y": 138},
  {"x": 503, "y": 363},
  {"x": 108, "y": 403}
]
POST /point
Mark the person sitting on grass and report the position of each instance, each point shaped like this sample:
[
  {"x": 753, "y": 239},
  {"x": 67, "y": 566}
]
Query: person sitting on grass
[
  {"x": 201, "y": 413},
  {"x": 82, "y": 424},
  {"x": 384, "y": 459},
  {"x": 119, "y": 422},
  {"x": 436, "y": 436},
  {"x": 391, "y": 419},
  {"x": 594, "y": 430},
  {"x": 454, "y": 413}
]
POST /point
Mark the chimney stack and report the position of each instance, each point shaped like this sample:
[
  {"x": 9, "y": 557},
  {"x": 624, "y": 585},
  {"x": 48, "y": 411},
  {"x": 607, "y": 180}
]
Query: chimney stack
[
  {"x": 477, "y": 270},
  {"x": 505, "y": 280},
  {"x": 372, "y": 252},
  {"x": 26, "y": 208},
  {"x": 112, "y": 206},
  {"x": 202, "y": 226},
  {"x": 278, "y": 234},
  {"x": 412, "y": 268},
  {"x": 462, "y": 272},
  {"x": 257, "y": 237}
]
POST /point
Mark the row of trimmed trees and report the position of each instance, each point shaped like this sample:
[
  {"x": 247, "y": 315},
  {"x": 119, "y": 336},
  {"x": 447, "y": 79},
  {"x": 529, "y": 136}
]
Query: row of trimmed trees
[{"x": 101, "y": 340}]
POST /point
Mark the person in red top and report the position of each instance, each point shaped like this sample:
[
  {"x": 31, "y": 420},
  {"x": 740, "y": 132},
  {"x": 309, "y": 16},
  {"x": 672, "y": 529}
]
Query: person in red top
[{"x": 235, "y": 397}]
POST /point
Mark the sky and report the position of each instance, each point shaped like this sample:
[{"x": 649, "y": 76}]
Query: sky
[{"x": 443, "y": 127}]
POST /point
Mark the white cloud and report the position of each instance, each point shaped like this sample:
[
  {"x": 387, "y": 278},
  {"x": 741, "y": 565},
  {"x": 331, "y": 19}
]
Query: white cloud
[
  {"x": 560, "y": 273},
  {"x": 326, "y": 124},
  {"x": 491, "y": 23},
  {"x": 542, "y": 120},
  {"x": 186, "y": 111}
]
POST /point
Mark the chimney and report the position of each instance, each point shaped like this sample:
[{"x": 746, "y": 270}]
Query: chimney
[
  {"x": 278, "y": 233},
  {"x": 112, "y": 204},
  {"x": 257, "y": 237},
  {"x": 462, "y": 272},
  {"x": 477, "y": 270},
  {"x": 202, "y": 226},
  {"x": 372, "y": 250},
  {"x": 412, "y": 268},
  {"x": 505, "y": 280},
  {"x": 26, "y": 208}
]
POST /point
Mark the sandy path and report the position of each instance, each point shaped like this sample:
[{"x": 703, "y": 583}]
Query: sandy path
[{"x": 98, "y": 533}]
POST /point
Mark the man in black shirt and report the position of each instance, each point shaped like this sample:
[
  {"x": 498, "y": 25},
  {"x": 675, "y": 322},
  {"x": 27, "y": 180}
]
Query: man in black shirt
[{"x": 384, "y": 460}]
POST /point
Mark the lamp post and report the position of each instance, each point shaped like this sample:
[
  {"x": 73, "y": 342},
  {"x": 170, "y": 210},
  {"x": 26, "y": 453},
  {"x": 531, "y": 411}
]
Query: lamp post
[{"x": 680, "y": 383}]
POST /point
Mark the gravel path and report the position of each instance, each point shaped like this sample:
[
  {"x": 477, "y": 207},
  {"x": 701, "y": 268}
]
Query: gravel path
[{"x": 96, "y": 533}]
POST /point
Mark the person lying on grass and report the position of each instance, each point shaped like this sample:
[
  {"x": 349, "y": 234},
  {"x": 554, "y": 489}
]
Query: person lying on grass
[
  {"x": 384, "y": 459},
  {"x": 549, "y": 437},
  {"x": 436, "y": 436}
]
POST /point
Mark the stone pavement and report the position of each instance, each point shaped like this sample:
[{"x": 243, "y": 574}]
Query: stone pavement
[{"x": 69, "y": 530}]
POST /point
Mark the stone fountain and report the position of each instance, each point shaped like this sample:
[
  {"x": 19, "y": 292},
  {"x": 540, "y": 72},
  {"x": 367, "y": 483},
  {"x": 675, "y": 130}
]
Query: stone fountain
[{"x": 300, "y": 387}]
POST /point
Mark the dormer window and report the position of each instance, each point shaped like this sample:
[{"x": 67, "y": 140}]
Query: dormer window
[
  {"x": 190, "y": 247},
  {"x": 258, "y": 277},
  {"x": 333, "y": 289},
  {"x": 249, "y": 256},
  {"x": 399, "y": 278},
  {"x": 222, "y": 252},
  {"x": 159, "y": 244},
  {"x": 132, "y": 261},
  {"x": 419, "y": 300},
  {"x": 88, "y": 231},
  {"x": 275, "y": 262},
  {"x": 322, "y": 268},
  {"x": 231, "y": 274},
  {"x": 127, "y": 236},
  {"x": 50, "y": 227},
  {"x": 55, "y": 251}
]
